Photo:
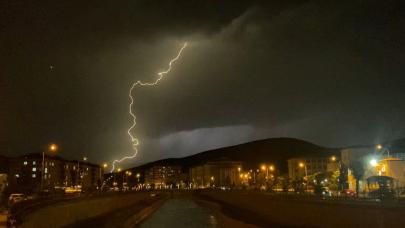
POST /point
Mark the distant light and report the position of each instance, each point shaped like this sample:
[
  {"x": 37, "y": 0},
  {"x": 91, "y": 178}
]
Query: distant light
[
  {"x": 53, "y": 147},
  {"x": 373, "y": 162},
  {"x": 333, "y": 158},
  {"x": 301, "y": 164},
  {"x": 379, "y": 147}
]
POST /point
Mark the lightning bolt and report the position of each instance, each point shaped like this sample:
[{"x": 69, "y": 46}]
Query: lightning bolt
[{"x": 134, "y": 140}]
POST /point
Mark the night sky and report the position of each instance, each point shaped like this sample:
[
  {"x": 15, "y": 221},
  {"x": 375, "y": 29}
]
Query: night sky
[{"x": 330, "y": 72}]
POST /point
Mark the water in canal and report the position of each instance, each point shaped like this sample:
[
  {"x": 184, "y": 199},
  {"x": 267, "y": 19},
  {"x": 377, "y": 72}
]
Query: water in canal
[{"x": 181, "y": 213}]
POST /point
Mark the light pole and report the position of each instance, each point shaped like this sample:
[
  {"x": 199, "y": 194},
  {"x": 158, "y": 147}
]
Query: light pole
[
  {"x": 125, "y": 178},
  {"x": 51, "y": 148},
  {"x": 303, "y": 165},
  {"x": 264, "y": 168},
  {"x": 105, "y": 165},
  {"x": 78, "y": 177}
]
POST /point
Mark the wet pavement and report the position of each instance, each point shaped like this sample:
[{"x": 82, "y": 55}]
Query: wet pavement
[{"x": 181, "y": 213}]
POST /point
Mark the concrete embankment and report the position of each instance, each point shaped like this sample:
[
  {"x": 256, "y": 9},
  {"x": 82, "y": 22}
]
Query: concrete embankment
[
  {"x": 63, "y": 214},
  {"x": 273, "y": 211}
]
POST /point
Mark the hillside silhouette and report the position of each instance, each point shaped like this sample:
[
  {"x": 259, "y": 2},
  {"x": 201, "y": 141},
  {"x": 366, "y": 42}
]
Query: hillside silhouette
[{"x": 273, "y": 150}]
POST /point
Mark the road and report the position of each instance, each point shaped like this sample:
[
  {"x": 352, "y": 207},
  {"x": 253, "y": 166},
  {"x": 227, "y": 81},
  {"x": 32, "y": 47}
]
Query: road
[
  {"x": 181, "y": 212},
  {"x": 3, "y": 219}
]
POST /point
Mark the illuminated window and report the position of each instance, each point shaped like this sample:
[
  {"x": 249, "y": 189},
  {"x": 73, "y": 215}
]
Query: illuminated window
[
  {"x": 25, "y": 162},
  {"x": 52, "y": 164},
  {"x": 34, "y": 169},
  {"x": 46, "y": 170},
  {"x": 34, "y": 175},
  {"x": 34, "y": 162},
  {"x": 17, "y": 175}
]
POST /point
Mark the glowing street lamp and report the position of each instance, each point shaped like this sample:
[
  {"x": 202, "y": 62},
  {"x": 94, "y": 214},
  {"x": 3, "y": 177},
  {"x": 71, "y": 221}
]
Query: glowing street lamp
[
  {"x": 52, "y": 147},
  {"x": 373, "y": 162},
  {"x": 379, "y": 147},
  {"x": 333, "y": 158},
  {"x": 105, "y": 165}
]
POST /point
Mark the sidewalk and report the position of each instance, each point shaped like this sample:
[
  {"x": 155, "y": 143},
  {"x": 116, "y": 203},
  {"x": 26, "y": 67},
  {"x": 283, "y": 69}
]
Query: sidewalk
[{"x": 3, "y": 218}]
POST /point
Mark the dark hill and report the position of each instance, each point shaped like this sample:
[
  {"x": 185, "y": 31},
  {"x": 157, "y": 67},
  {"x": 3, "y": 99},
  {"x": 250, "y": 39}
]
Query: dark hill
[{"x": 274, "y": 150}]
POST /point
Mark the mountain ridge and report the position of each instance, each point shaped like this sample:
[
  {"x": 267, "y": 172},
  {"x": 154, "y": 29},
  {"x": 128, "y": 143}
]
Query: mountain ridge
[{"x": 272, "y": 150}]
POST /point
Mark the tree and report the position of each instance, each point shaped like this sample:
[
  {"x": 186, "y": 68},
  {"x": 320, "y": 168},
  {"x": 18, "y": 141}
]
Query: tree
[
  {"x": 342, "y": 179},
  {"x": 358, "y": 172},
  {"x": 285, "y": 183},
  {"x": 333, "y": 182},
  {"x": 297, "y": 185}
]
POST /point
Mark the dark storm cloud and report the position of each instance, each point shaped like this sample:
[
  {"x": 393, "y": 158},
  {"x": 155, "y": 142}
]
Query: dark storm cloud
[{"x": 319, "y": 70}]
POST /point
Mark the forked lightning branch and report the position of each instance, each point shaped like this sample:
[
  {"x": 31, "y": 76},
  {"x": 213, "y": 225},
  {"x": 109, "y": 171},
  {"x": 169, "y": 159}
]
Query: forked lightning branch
[{"x": 134, "y": 140}]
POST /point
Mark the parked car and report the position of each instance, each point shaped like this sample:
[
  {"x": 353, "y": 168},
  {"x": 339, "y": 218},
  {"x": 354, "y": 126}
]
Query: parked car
[
  {"x": 15, "y": 198},
  {"x": 347, "y": 193}
]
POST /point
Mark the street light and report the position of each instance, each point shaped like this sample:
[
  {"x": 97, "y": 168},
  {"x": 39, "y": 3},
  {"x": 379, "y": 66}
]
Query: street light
[
  {"x": 383, "y": 149},
  {"x": 303, "y": 165},
  {"x": 333, "y": 158},
  {"x": 373, "y": 162},
  {"x": 105, "y": 165},
  {"x": 53, "y": 147}
]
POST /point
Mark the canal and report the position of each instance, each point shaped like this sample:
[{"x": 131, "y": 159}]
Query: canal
[{"x": 181, "y": 212}]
